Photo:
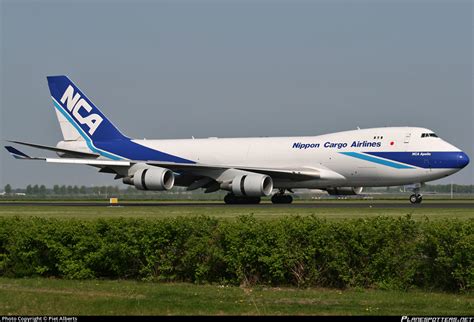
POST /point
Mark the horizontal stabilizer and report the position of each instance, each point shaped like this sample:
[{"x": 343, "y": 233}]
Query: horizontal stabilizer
[
  {"x": 17, "y": 154},
  {"x": 55, "y": 149},
  {"x": 92, "y": 162}
]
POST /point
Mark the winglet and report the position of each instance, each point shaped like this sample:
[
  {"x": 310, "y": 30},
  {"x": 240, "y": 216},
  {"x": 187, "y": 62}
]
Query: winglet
[{"x": 16, "y": 153}]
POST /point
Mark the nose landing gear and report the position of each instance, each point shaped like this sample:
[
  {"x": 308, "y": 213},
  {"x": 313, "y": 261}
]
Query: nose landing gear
[
  {"x": 416, "y": 197},
  {"x": 281, "y": 198}
]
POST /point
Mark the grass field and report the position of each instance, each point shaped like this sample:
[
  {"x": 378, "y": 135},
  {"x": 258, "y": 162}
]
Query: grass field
[
  {"x": 222, "y": 211},
  {"x": 64, "y": 297}
]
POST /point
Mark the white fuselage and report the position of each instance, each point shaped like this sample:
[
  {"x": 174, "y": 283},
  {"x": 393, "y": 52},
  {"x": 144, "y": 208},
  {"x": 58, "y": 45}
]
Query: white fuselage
[{"x": 346, "y": 153}]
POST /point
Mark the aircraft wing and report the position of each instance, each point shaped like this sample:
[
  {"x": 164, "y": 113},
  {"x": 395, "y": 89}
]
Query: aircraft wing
[
  {"x": 198, "y": 169},
  {"x": 306, "y": 173}
]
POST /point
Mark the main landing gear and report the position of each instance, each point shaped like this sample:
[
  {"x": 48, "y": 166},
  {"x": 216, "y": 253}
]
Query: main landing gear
[
  {"x": 232, "y": 199},
  {"x": 281, "y": 198},
  {"x": 416, "y": 198},
  {"x": 278, "y": 198}
]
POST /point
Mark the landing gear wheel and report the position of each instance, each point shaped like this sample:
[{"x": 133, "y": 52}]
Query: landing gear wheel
[
  {"x": 232, "y": 199},
  {"x": 416, "y": 198},
  {"x": 229, "y": 199},
  {"x": 282, "y": 199},
  {"x": 419, "y": 199}
]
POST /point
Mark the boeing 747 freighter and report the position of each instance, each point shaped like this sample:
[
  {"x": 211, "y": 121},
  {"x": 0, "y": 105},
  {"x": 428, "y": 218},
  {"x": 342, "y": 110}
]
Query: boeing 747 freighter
[{"x": 248, "y": 168}]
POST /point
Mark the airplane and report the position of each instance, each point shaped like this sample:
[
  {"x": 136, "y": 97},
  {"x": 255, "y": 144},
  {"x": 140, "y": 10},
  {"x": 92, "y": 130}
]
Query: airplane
[{"x": 341, "y": 163}]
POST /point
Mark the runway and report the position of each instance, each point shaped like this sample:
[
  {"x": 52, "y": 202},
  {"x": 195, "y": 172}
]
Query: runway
[{"x": 393, "y": 205}]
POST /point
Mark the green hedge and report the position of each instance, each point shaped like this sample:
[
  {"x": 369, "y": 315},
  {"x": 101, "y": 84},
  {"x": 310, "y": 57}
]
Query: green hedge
[{"x": 304, "y": 251}]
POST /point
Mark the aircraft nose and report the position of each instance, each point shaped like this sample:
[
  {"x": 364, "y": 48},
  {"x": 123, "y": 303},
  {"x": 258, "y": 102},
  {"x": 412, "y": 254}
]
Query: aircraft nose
[{"x": 463, "y": 159}]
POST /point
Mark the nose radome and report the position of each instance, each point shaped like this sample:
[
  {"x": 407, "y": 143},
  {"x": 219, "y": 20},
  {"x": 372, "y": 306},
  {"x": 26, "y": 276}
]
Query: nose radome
[{"x": 463, "y": 159}]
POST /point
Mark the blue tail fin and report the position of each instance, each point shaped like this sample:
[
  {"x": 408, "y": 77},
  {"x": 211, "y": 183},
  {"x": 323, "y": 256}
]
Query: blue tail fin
[{"x": 80, "y": 112}]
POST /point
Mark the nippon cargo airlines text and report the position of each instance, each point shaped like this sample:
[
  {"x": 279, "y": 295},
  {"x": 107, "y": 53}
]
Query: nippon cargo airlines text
[{"x": 336, "y": 145}]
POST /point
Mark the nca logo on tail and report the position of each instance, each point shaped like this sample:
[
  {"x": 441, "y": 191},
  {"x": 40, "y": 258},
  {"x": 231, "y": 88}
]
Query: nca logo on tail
[{"x": 75, "y": 103}]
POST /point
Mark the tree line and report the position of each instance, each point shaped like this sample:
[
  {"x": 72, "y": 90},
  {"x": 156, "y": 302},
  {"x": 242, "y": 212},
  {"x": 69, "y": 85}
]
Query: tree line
[
  {"x": 64, "y": 190},
  {"x": 69, "y": 190},
  {"x": 437, "y": 188}
]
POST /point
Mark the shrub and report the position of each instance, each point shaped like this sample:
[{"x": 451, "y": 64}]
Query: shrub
[{"x": 394, "y": 253}]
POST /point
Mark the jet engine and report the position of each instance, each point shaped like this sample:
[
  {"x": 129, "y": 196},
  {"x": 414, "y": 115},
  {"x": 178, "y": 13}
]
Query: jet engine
[
  {"x": 157, "y": 179},
  {"x": 344, "y": 191},
  {"x": 252, "y": 185}
]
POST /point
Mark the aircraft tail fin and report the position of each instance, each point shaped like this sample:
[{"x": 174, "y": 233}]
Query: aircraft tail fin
[
  {"x": 68, "y": 130},
  {"x": 78, "y": 117}
]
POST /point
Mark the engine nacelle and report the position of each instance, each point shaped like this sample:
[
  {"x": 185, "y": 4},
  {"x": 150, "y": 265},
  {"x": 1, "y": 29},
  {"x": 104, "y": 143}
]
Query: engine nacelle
[
  {"x": 157, "y": 179},
  {"x": 252, "y": 185},
  {"x": 344, "y": 191}
]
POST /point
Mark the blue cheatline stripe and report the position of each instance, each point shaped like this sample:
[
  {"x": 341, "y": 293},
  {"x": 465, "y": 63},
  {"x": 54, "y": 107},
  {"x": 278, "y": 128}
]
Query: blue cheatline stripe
[
  {"x": 376, "y": 160},
  {"x": 81, "y": 132},
  {"x": 426, "y": 159}
]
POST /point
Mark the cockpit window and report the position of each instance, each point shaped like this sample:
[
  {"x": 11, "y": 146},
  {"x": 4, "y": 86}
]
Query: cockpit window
[{"x": 428, "y": 135}]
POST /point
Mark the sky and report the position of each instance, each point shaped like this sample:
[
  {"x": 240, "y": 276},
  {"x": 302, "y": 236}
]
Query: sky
[{"x": 176, "y": 69}]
